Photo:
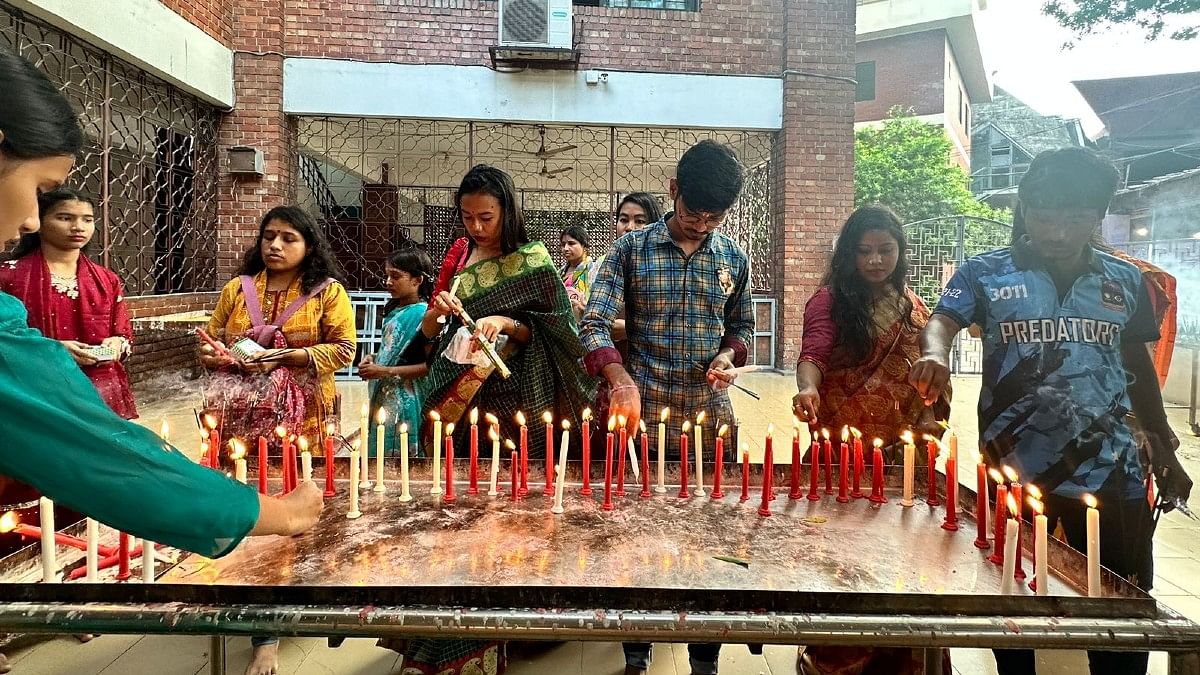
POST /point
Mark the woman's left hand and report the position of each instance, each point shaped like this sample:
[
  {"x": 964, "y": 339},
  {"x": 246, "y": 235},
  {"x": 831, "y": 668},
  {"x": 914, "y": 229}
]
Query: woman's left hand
[
  {"x": 119, "y": 345},
  {"x": 490, "y": 327},
  {"x": 370, "y": 370}
]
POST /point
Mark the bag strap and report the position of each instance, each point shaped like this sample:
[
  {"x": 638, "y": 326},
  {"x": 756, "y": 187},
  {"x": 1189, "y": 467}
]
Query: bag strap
[
  {"x": 253, "y": 305},
  {"x": 291, "y": 309}
]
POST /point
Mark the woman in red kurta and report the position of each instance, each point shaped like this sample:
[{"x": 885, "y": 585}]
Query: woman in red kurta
[{"x": 72, "y": 299}]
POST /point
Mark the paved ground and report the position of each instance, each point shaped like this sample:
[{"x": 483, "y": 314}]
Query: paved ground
[{"x": 1177, "y": 583}]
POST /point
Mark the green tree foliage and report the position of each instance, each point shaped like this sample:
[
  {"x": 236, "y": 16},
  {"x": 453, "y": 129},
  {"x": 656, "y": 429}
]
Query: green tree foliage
[
  {"x": 1084, "y": 17},
  {"x": 905, "y": 164}
]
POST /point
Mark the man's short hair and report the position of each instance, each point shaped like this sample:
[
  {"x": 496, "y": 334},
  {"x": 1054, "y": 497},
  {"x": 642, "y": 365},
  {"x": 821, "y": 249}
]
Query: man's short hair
[
  {"x": 1069, "y": 178},
  {"x": 709, "y": 177}
]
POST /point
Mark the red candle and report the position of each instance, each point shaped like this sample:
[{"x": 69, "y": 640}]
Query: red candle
[
  {"x": 515, "y": 470},
  {"x": 683, "y": 461},
  {"x": 262, "y": 465},
  {"x": 608, "y": 467},
  {"x": 719, "y": 466},
  {"x": 981, "y": 505},
  {"x": 764, "y": 509},
  {"x": 214, "y": 448},
  {"x": 844, "y": 470},
  {"x": 877, "y": 475},
  {"x": 122, "y": 556},
  {"x": 61, "y": 539},
  {"x": 951, "y": 522},
  {"x": 856, "y": 491},
  {"x": 828, "y": 463},
  {"x": 931, "y": 451},
  {"x": 814, "y": 470},
  {"x": 1000, "y": 524},
  {"x": 745, "y": 474},
  {"x": 646, "y": 463},
  {"x": 587, "y": 452},
  {"x": 620, "y": 450},
  {"x": 524, "y": 455},
  {"x": 449, "y": 496},
  {"x": 1015, "y": 490},
  {"x": 330, "y": 490},
  {"x": 795, "y": 492},
  {"x": 473, "y": 468},
  {"x": 548, "y": 418}
]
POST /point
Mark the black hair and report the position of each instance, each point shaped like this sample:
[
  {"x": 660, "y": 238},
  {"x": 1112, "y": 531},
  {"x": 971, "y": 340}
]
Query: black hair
[
  {"x": 647, "y": 202},
  {"x": 708, "y": 177},
  {"x": 484, "y": 179},
  {"x": 36, "y": 119},
  {"x": 852, "y": 296},
  {"x": 320, "y": 263},
  {"x": 1069, "y": 178},
  {"x": 32, "y": 241},
  {"x": 415, "y": 262},
  {"x": 579, "y": 234}
]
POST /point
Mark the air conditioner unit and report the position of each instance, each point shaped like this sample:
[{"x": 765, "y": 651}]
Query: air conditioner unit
[{"x": 544, "y": 24}]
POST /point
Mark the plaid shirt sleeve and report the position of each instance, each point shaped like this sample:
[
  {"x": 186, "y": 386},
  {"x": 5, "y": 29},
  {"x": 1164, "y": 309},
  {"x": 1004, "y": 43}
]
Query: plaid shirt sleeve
[
  {"x": 739, "y": 318},
  {"x": 604, "y": 303}
]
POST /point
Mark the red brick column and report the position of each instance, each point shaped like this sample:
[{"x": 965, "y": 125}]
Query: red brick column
[
  {"x": 258, "y": 121},
  {"x": 813, "y": 157}
]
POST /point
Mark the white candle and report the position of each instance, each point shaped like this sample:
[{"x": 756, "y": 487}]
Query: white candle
[
  {"x": 1093, "y": 547},
  {"x": 49, "y": 553},
  {"x": 380, "y": 419},
  {"x": 910, "y": 459},
  {"x": 364, "y": 473},
  {"x": 93, "y": 551},
  {"x": 165, "y": 431},
  {"x": 405, "y": 495},
  {"x": 560, "y": 483},
  {"x": 699, "y": 491},
  {"x": 633, "y": 460},
  {"x": 437, "y": 453},
  {"x": 662, "y": 450},
  {"x": 494, "y": 434},
  {"x": 1007, "y": 582},
  {"x": 147, "y": 561},
  {"x": 238, "y": 453},
  {"x": 305, "y": 459},
  {"x": 354, "y": 469},
  {"x": 1040, "y": 548}
]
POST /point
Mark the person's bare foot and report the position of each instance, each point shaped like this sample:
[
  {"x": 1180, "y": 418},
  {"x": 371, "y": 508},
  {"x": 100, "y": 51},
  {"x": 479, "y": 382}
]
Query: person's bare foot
[
  {"x": 4, "y": 665},
  {"x": 265, "y": 660}
]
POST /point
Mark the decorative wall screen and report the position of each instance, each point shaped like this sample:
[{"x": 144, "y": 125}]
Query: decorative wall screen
[{"x": 150, "y": 159}]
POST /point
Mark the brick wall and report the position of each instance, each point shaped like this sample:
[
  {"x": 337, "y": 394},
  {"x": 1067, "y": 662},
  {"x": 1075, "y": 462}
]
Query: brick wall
[
  {"x": 813, "y": 157},
  {"x": 736, "y": 36},
  {"x": 144, "y": 306},
  {"x": 214, "y": 17},
  {"x": 164, "y": 349},
  {"x": 910, "y": 71}
]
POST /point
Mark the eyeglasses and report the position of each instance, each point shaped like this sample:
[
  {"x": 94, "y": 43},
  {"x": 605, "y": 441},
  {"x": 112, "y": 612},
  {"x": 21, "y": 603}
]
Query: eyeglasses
[{"x": 694, "y": 218}]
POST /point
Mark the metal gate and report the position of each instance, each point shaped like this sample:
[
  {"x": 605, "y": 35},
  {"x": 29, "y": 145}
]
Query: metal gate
[{"x": 937, "y": 247}]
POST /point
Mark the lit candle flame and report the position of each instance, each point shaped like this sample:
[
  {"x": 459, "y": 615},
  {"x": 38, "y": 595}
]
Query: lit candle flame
[
  {"x": 724, "y": 428},
  {"x": 1033, "y": 491},
  {"x": 621, "y": 421},
  {"x": 1013, "y": 511},
  {"x": 280, "y": 431},
  {"x": 771, "y": 430},
  {"x": 237, "y": 449},
  {"x": 937, "y": 443},
  {"x": 204, "y": 434},
  {"x": 587, "y": 414},
  {"x": 845, "y": 434},
  {"x": 856, "y": 432},
  {"x": 357, "y": 444},
  {"x": 745, "y": 449},
  {"x": 700, "y": 418},
  {"x": 8, "y": 522},
  {"x": 165, "y": 430},
  {"x": 1036, "y": 504},
  {"x": 380, "y": 416},
  {"x": 996, "y": 476},
  {"x": 509, "y": 444},
  {"x": 493, "y": 434},
  {"x": 1090, "y": 501},
  {"x": 612, "y": 423},
  {"x": 366, "y": 409},
  {"x": 520, "y": 418},
  {"x": 548, "y": 417},
  {"x": 662, "y": 416},
  {"x": 303, "y": 443},
  {"x": 642, "y": 424},
  {"x": 404, "y": 427},
  {"x": 686, "y": 426},
  {"x": 825, "y": 433},
  {"x": 450, "y": 429},
  {"x": 907, "y": 437},
  {"x": 474, "y": 416},
  {"x": 329, "y": 429},
  {"x": 210, "y": 421},
  {"x": 492, "y": 419},
  {"x": 566, "y": 424},
  {"x": 433, "y": 415},
  {"x": 878, "y": 442},
  {"x": 1009, "y": 473}
]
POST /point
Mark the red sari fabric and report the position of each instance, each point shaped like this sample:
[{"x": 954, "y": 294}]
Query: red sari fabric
[
  {"x": 873, "y": 395},
  {"x": 97, "y": 314}
]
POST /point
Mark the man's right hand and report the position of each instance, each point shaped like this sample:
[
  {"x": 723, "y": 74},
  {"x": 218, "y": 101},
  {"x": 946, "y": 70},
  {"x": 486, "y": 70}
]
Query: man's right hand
[
  {"x": 79, "y": 352},
  {"x": 624, "y": 398},
  {"x": 929, "y": 376}
]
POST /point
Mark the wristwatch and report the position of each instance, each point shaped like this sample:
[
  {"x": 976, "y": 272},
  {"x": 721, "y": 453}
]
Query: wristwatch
[{"x": 516, "y": 326}]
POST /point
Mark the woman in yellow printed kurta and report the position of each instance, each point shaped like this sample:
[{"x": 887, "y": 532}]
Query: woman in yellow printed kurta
[{"x": 290, "y": 260}]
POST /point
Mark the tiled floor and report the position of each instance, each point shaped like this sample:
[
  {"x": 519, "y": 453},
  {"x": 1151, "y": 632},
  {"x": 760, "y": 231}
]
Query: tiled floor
[{"x": 1177, "y": 548}]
